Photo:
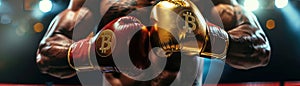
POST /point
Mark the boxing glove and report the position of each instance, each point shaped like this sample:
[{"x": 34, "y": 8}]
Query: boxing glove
[
  {"x": 180, "y": 27},
  {"x": 107, "y": 42}
]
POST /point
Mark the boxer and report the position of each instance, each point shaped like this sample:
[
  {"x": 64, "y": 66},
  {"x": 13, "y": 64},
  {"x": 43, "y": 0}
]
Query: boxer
[{"x": 248, "y": 46}]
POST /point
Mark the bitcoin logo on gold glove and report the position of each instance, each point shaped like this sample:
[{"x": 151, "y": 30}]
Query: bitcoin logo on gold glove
[{"x": 190, "y": 22}]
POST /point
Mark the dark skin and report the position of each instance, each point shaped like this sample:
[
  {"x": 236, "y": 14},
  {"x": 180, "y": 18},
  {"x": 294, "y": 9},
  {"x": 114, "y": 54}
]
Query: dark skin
[
  {"x": 52, "y": 52},
  {"x": 249, "y": 47}
]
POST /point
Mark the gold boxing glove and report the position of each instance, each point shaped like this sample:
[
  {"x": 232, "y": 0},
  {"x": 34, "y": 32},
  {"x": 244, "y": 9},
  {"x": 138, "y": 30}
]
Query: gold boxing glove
[{"x": 180, "y": 27}]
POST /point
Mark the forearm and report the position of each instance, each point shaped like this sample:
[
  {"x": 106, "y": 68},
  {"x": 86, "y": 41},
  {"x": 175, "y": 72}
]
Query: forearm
[
  {"x": 56, "y": 46},
  {"x": 248, "y": 45}
]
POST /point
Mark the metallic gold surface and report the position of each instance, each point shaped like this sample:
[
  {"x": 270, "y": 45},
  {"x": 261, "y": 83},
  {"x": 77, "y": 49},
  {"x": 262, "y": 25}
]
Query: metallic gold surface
[
  {"x": 180, "y": 27},
  {"x": 179, "y": 23}
]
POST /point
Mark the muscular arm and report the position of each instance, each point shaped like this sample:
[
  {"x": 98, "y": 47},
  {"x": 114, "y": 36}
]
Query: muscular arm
[
  {"x": 249, "y": 46},
  {"x": 52, "y": 52},
  {"x": 53, "y": 49}
]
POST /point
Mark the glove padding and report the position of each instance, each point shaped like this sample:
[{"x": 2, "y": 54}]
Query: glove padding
[
  {"x": 105, "y": 43},
  {"x": 182, "y": 28}
]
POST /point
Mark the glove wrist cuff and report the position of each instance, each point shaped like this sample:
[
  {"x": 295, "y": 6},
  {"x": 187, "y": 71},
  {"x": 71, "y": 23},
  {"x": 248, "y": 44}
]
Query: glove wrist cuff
[
  {"x": 79, "y": 56},
  {"x": 69, "y": 57},
  {"x": 217, "y": 42}
]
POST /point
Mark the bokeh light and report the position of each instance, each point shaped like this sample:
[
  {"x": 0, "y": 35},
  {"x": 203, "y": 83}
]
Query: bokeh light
[
  {"x": 251, "y": 5},
  {"x": 21, "y": 30},
  {"x": 38, "y": 27},
  {"x": 5, "y": 19},
  {"x": 270, "y": 24},
  {"x": 281, "y": 3},
  {"x": 45, "y": 5}
]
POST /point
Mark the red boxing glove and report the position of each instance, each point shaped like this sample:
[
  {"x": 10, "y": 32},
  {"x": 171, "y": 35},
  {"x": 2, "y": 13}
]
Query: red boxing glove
[{"x": 103, "y": 45}]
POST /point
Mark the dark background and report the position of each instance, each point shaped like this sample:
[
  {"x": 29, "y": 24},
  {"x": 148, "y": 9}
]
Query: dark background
[{"x": 19, "y": 44}]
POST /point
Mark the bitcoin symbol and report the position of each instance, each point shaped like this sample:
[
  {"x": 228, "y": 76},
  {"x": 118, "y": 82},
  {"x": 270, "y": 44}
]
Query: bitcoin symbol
[
  {"x": 189, "y": 20},
  {"x": 106, "y": 40},
  {"x": 104, "y": 45}
]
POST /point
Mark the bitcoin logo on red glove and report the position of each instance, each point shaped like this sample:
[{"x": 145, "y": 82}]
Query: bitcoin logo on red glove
[{"x": 107, "y": 37}]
